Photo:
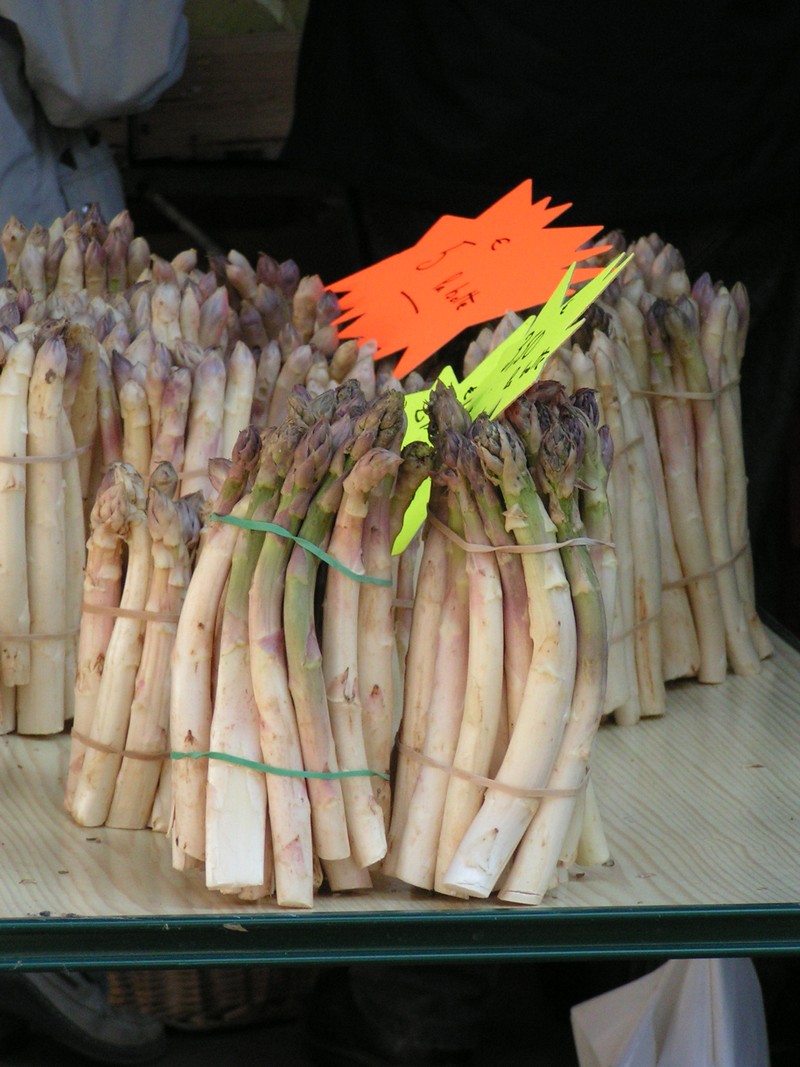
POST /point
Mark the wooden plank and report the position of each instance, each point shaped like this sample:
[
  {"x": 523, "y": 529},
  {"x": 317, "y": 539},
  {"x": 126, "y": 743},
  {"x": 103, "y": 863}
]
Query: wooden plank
[
  {"x": 701, "y": 808},
  {"x": 235, "y": 97}
]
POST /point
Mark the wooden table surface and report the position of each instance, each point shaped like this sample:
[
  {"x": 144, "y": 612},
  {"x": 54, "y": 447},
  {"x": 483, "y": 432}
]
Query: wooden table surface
[{"x": 701, "y": 809}]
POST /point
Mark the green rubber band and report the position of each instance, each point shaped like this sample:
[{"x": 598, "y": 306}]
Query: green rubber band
[
  {"x": 252, "y": 765},
  {"x": 309, "y": 546}
]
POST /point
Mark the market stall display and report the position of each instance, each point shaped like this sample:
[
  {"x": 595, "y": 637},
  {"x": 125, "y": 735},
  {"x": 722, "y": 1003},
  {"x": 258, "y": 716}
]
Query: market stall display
[{"x": 257, "y": 688}]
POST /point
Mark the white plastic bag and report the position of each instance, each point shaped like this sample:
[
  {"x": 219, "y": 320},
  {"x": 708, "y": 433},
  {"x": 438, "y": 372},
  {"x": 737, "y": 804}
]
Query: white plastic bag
[{"x": 687, "y": 1013}]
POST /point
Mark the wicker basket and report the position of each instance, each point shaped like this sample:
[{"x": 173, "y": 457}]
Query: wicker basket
[{"x": 213, "y": 998}]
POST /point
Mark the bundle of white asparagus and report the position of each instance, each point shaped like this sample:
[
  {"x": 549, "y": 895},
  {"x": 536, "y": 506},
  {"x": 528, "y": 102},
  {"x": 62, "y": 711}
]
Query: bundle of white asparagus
[
  {"x": 282, "y": 662},
  {"x": 507, "y": 657},
  {"x": 159, "y": 362},
  {"x": 283, "y": 694},
  {"x": 47, "y": 426},
  {"x": 664, "y": 356},
  {"x": 139, "y": 562}
]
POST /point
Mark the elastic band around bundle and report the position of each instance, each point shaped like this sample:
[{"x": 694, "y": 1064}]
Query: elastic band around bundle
[
  {"x": 715, "y": 394},
  {"x": 63, "y": 457},
  {"x": 225, "y": 757},
  {"x": 309, "y": 546},
  {"x": 634, "y": 442},
  {"x": 126, "y": 753},
  {"x": 680, "y": 583},
  {"x": 640, "y": 625},
  {"x": 488, "y": 783},
  {"x": 283, "y": 772},
  {"x": 549, "y": 546}
]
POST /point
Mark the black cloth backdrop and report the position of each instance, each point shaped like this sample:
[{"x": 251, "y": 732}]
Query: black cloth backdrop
[
  {"x": 678, "y": 118},
  {"x": 624, "y": 109}
]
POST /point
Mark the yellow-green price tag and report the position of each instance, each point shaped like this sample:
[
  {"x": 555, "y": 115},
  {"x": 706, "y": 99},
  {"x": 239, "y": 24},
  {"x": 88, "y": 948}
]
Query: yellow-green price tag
[{"x": 506, "y": 373}]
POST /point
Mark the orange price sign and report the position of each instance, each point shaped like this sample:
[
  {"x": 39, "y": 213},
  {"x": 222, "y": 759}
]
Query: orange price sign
[{"x": 460, "y": 273}]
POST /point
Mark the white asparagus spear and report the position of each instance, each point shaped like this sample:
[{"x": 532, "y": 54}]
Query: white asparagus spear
[
  {"x": 136, "y": 435},
  {"x": 267, "y": 371},
  {"x": 412, "y": 850},
  {"x": 238, "y": 401},
  {"x": 236, "y": 797},
  {"x": 304, "y": 661},
  {"x": 293, "y": 372},
  {"x": 204, "y": 426},
  {"x": 376, "y": 637},
  {"x": 517, "y": 644},
  {"x": 169, "y": 439},
  {"x": 165, "y": 306},
  {"x": 235, "y": 726},
  {"x": 212, "y": 327},
  {"x": 95, "y": 786},
  {"x": 240, "y": 273},
  {"x": 483, "y": 698},
  {"x": 191, "y": 701},
  {"x": 102, "y": 588},
  {"x": 140, "y": 351},
  {"x": 32, "y": 262},
  {"x": 419, "y": 676},
  {"x": 343, "y": 360},
  {"x": 730, "y": 413},
  {"x": 75, "y": 559},
  {"x": 70, "y": 268},
  {"x": 190, "y": 692},
  {"x": 536, "y": 859},
  {"x": 533, "y": 746},
  {"x": 622, "y": 696},
  {"x": 680, "y": 653},
  {"x": 677, "y": 450},
  {"x": 14, "y": 605},
  {"x": 95, "y": 274},
  {"x": 593, "y": 847},
  {"x": 84, "y": 415},
  {"x": 644, "y": 544},
  {"x": 680, "y": 322},
  {"x": 290, "y": 815},
  {"x": 40, "y": 703},
  {"x": 12, "y": 242},
  {"x": 304, "y": 305},
  {"x": 364, "y": 368},
  {"x": 138, "y": 258},
  {"x": 340, "y": 657},
  {"x": 189, "y": 315},
  {"x": 155, "y": 380},
  {"x": 173, "y": 531}
]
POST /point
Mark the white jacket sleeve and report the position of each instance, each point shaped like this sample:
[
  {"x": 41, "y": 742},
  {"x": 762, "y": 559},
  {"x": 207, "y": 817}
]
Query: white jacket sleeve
[{"x": 87, "y": 60}]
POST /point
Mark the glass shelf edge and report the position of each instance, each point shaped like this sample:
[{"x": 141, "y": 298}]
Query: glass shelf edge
[{"x": 314, "y": 939}]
